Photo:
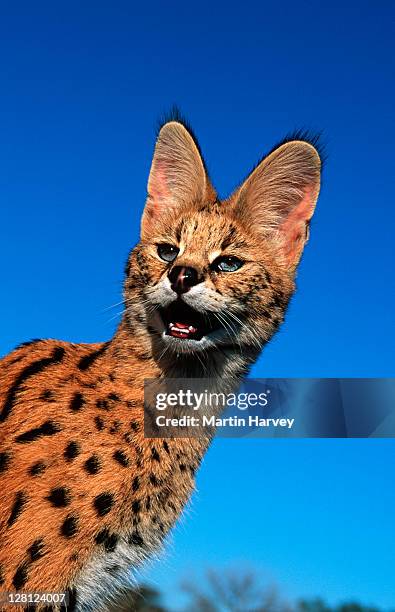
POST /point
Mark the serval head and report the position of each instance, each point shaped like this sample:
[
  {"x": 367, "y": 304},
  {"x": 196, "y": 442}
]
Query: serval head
[{"x": 215, "y": 276}]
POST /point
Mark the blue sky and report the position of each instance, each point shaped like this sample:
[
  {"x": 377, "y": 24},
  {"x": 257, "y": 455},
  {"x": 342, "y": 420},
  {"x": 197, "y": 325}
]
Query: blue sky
[{"x": 82, "y": 85}]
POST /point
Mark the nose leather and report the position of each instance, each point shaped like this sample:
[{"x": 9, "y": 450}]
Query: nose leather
[{"x": 182, "y": 278}]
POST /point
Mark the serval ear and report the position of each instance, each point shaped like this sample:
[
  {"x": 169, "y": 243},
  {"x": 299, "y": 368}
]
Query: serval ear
[
  {"x": 279, "y": 196},
  {"x": 178, "y": 176}
]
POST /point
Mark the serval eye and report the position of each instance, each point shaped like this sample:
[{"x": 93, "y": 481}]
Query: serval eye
[
  {"x": 227, "y": 264},
  {"x": 167, "y": 252}
]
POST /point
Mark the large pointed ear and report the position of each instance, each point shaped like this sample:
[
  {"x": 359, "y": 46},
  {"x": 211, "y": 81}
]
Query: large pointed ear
[
  {"x": 177, "y": 175},
  {"x": 279, "y": 196}
]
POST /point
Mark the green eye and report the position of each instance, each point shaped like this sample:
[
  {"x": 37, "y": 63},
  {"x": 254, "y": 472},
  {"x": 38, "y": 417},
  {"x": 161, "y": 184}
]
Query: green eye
[
  {"x": 167, "y": 252},
  {"x": 227, "y": 264}
]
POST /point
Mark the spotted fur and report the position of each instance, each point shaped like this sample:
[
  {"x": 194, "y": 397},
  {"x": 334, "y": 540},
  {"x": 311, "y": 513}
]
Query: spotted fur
[{"x": 85, "y": 497}]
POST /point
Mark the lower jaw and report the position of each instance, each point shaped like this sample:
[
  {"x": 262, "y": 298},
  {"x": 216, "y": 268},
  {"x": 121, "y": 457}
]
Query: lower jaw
[{"x": 187, "y": 345}]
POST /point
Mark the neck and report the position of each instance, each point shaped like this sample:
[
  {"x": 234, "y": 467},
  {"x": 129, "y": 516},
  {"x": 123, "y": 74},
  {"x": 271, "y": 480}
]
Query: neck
[{"x": 223, "y": 366}]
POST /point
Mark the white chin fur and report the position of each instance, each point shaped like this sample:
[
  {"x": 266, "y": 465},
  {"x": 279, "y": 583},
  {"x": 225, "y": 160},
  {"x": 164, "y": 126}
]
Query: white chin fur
[{"x": 179, "y": 345}]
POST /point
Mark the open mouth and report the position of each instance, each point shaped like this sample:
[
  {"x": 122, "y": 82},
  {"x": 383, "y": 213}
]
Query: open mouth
[{"x": 183, "y": 322}]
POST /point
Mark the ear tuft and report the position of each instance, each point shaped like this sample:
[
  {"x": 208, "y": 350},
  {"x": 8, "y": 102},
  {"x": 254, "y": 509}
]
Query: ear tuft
[
  {"x": 175, "y": 114},
  {"x": 177, "y": 177},
  {"x": 280, "y": 194}
]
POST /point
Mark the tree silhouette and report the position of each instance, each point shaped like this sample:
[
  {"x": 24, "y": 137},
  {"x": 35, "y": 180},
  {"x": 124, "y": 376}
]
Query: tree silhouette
[
  {"x": 143, "y": 598},
  {"x": 232, "y": 591}
]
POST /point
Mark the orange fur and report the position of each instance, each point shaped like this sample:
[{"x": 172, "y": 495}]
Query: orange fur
[{"x": 80, "y": 483}]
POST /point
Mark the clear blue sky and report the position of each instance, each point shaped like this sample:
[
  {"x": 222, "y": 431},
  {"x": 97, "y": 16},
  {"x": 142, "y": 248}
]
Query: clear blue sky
[{"x": 82, "y": 85}]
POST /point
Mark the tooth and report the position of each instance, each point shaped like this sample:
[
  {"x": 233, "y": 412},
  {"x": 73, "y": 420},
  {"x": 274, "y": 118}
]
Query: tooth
[
  {"x": 190, "y": 328},
  {"x": 171, "y": 325}
]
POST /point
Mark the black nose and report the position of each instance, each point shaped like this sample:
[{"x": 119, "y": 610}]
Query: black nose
[{"x": 182, "y": 279}]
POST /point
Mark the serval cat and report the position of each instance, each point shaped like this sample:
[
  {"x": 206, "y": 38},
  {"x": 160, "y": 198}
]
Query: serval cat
[{"x": 85, "y": 497}]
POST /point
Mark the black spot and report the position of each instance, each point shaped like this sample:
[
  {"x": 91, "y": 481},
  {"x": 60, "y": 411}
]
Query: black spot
[
  {"x": 71, "y": 601},
  {"x": 36, "y": 550},
  {"x": 37, "y": 468},
  {"x": 86, "y": 361},
  {"x": 116, "y": 426},
  {"x": 102, "y": 403},
  {"x": 153, "y": 480},
  {"x": 71, "y": 451},
  {"x": 99, "y": 423},
  {"x": 113, "y": 569},
  {"x": 103, "y": 503},
  {"x": 183, "y": 467},
  {"x": 4, "y": 461},
  {"x": 113, "y": 397},
  {"x": 155, "y": 454},
  {"x": 108, "y": 539},
  {"x": 89, "y": 385},
  {"x": 135, "y": 484},
  {"x": 121, "y": 457},
  {"x": 92, "y": 465},
  {"x": 1, "y": 575},
  {"x": 134, "y": 426},
  {"x": 77, "y": 401},
  {"x": 135, "y": 539},
  {"x": 230, "y": 238},
  {"x": 136, "y": 506},
  {"x": 33, "y": 368},
  {"x": 19, "y": 503},
  {"x": 144, "y": 356},
  {"x": 166, "y": 447},
  {"x": 59, "y": 497},
  {"x": 27, "y": 343},
  {"x": 111, "y": 377},
  {"x": 266, "y": 314},
  {"x": 47, "y": 395},
  {"x": 10, "y": 363},
  {"x": 69, "y": 526},
  {"x": 49, "y": 428},
  {"x": 148, "y": 502},
  {"x": 20, "y": 577}
]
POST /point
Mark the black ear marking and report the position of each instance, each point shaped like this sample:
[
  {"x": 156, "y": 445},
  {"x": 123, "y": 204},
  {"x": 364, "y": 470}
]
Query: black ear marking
[{"x": 175, "y": 114}]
